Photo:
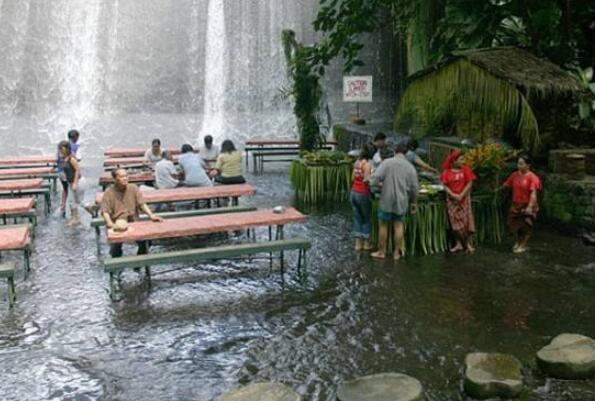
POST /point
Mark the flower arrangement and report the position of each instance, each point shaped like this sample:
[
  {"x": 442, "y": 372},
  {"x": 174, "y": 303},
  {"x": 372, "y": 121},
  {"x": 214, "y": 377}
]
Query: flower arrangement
[{"x": 488, "y": 162}]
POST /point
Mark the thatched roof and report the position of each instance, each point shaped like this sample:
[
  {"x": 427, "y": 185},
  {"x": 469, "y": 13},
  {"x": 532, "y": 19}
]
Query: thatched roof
[{"x": 516, "y": 66}]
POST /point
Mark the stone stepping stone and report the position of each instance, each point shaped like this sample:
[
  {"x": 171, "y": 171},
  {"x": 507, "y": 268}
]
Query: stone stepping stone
[
  {"x": 492, "y": 375},
  {"x": 568, "y": 356},
  {"x": 381, "y": 387},
  {"x": 262, "y": 392}
]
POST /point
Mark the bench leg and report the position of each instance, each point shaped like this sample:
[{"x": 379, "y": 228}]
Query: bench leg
[
  {"x": 11, "y": 291},
  {"x": 148, "y": 275},
  {"x": 98, "y": 240},
  {"x": 27, "y": 265},
  {"x": 112, "y": 287},
  {"x": 234, "y": 201},
  {"x": 48, "y": 203}
]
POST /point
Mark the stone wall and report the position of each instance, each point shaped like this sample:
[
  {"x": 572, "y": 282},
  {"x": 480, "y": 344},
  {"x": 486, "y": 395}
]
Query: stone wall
[{"x": 569, "y": 204}]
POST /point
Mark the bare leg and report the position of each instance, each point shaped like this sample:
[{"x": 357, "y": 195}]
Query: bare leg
[
  {"x": 469, "y": 245},
  {"x": 358, "y": 244},
  {"x": 367, "y": 245},
  {"x": 523, "y": 240},
  {"x": 382, "y": 237},
  {"x": 459, "y": 243},
  {"x": 399, "y": 231}
]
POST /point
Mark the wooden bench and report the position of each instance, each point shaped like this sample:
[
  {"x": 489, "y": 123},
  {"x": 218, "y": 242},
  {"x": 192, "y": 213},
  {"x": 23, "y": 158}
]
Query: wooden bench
[
  {"x": 17, "y": 238},
  {"x": 18, "y": 208},
  {"x": 133, "y": 152},
  {"x": 47, "y": 173},
  {"x": 263, "y": 150},
  {"x": 41, "y": 191},
  {"x": 99, "y": 222},
  {"x": 7, "y": 272},
  {"x": 114, "y": 266},
  {"x": 28, "y": 161}
]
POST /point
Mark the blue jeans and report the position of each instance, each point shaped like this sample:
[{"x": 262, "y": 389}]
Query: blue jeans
[{"x": 362, "y": 214}]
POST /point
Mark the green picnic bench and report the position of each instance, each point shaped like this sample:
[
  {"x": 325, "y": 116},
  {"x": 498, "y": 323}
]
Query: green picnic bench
[
  {"x": 7, "y": 272},
  {"x": 43, "y": 191},
  {"x": 115, "y": 266}
]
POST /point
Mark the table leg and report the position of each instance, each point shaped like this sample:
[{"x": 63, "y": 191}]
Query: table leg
[
  {"x": 98, "y": 240},
  {"x": 11, "y": 292},
  {"x": 27, "y": 262}
]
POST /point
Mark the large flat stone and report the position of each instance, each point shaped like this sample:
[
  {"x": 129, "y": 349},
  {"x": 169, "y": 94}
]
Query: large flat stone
[
  {"x": 262, "y": 392},
  {"x": 492, "y": 375},
  {"x": 568, "y": 356},
  {"x": 381, "y": 387}
]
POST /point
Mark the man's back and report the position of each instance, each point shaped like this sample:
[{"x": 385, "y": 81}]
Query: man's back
[
  {"x": 194, "y": 173},
  {"x": 399, "y": 183},
  {"x": 164, "y": 174}
]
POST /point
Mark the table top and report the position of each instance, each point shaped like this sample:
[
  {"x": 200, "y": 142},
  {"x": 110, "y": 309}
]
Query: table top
[
  {"x": 15, "y": 185},
  {"x": 132, "y": 177},
  {"x": 16, "y": 160},
  {"x": 16, "y": 205},
  {"x": 14, "y": 237},
  {"x": 133, "y": 152},
  {"x": 192, "y": 193},
  {"x": 26, "y": 172},
  {"x": 122, "y": 161},
  {"x": 189, "y": 226}
]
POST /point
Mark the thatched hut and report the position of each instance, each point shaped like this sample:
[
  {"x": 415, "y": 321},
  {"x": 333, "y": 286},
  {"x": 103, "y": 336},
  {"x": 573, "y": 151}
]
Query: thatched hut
[{"x": 502, "y": 92}]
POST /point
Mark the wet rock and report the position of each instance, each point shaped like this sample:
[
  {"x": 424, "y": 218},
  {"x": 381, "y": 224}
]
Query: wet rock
[
  {"x": 383, "y": 386},
  {"x": 568, "y": 356},
  {"x": 262, "y": 392},
  {"x": 492, "y": 375}
]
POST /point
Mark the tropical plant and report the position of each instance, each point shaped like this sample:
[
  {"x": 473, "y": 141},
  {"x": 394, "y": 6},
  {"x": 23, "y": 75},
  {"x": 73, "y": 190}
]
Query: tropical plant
[
  {"x": 488, "y": 162},
  {"x": 305, "y": 90},
  {"x": 318, "y": 183}
]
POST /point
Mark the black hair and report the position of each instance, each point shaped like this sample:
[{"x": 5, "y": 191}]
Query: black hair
[
  {"x": 227, "y": 146},
  {"x": 526, "y": 158},
  {"x": 73, "y": 134},
  {"x": 367, "y": 152},
  {"x": 402, "y": 147},
  {"x": 379, "y": 137},
  {"x": 386, "y": 152},
  {"x": 156, "y": 142},
  {"x": 115, "y": 172},
  {"x": 208, "y": 139},
  {"x": 187, "y": 148},
  {"x": 412, "y": 144}
]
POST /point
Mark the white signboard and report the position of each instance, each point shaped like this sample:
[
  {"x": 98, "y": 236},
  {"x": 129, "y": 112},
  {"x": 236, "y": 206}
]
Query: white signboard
[{"x": 357, "y": 89}]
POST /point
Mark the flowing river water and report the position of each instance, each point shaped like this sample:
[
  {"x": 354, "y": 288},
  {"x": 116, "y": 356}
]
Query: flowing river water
[{"x": 209, "y": 328}]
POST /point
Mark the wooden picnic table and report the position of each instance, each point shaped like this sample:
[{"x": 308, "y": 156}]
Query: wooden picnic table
[
  {"x": 42, "y": 160},
  {"x": 191, "y": 226},
  {"x": 105, "y": 179},
  {"x": 17, "y": 238},
  {"x": 182, "y": 194},
  {"x": 279, "y": 142},
  {"x": 18, "y": 207},
  {"x": 124, "y": 161},
  {"x": 133, "y": 152},
  {"x": 47, "y": 173},
  {"x": 17, "y": 185}
]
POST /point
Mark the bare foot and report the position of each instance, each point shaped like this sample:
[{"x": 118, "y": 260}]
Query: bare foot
[
  {"x": 515, "y": 246},
  {"x": 397, "y": 255},
  {"x": 520, "y": 249},
  {"x": 458, "y": 247},
  {"x": 72, "y": 222},
  {"x": 367, "y": 246},
  {"x": 470, "y": 248},
  {"x": 358, "y": 245},
  {"x": 378, "y": 255}
]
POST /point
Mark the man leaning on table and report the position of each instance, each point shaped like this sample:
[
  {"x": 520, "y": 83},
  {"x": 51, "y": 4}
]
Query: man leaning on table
[{"x": 121, "y": 204}]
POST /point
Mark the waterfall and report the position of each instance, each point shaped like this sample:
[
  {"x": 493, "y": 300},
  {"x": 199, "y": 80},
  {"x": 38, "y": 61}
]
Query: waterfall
[{"x": 215, "y": 72}]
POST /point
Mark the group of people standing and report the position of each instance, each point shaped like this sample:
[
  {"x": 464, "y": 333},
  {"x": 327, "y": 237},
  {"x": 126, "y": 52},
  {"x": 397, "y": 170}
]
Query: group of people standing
[
  {"x": 196, "y": 169},
  {"x": 394, "y": 172}
]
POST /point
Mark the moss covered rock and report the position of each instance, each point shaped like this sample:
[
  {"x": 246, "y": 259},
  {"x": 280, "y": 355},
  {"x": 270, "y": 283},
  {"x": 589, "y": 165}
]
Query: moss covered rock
[
  {"x": 568, "y": 356},
  {"x": 262, "y": 392},
  {"x": 492, "y": 375},
  {"x": 381, "y": 387}
]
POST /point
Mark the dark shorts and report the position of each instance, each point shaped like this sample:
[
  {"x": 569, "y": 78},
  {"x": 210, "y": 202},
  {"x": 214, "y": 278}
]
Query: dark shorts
[{"x": 388, "y": 216}]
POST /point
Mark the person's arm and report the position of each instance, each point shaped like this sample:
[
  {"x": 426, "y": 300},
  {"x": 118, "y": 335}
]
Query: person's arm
[
  {"x": 77, "y": 173},
  {"x": 367, "y": 171},
  {"x": 378, "y": 175},
  {"x": 218, "y": 167},
  {"x": 150, "y": 213},
  {"x": 423, "y": 165},
  {"x": 109, "y": 223},
  {"x": 413, "y": 190}
]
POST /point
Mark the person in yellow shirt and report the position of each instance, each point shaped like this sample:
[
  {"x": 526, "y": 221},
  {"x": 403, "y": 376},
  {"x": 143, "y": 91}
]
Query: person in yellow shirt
[{"x": 228, "y": 169}]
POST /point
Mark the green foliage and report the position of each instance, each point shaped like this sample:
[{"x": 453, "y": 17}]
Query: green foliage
[
  {"x": 305, "y": 90},
  {"x": 482, "y": 105},
  {"x": 321, "y": 183}
]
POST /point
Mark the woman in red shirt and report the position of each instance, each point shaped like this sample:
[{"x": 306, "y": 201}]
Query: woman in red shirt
[
  {"x": 523, "y": 212},
  {"x": 361, "y": 199},
  {"x": 458, "y": 179}
]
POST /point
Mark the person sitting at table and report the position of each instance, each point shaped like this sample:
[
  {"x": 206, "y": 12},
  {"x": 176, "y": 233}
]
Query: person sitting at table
[
  {"x": 154, "y": 154},
  {"x": 414, "y": 158},
  {"x": 209, "y": 152},
  {"x": 193, "y": 168},
  {"x": 69, "y": 176},
  {"x": 228, "y": 169},
  {"x": 166, "y": 175},
  {"x": 397, "y": 197},
  {"x": 121, "y": 203},
  {"x": 458, "y": 180}
]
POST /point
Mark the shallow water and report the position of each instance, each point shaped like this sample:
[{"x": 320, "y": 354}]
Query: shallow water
[{"x": 207, "y": 329}]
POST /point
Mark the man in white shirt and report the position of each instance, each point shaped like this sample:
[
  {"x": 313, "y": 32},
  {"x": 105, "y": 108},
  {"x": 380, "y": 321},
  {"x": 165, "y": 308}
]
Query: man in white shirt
[
  {"x": 166, "y": 175},
  {"x": 209, "y": 152}
]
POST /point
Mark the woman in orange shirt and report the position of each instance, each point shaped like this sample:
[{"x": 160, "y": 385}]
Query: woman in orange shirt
[
  {"x": 458, "y": 179},
  {"x": 523, "y": 212}
]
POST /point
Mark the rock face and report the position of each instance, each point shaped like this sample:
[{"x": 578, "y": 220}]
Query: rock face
[
  {"x": 492, "y": 375},
  {"x": 568, "y": 356},
  {"x": 381, "y": 387},
  {"x": 262, "y": 392}
]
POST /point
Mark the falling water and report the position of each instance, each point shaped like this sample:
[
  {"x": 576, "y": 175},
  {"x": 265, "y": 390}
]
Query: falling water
[{"x": 215, "y": 72}]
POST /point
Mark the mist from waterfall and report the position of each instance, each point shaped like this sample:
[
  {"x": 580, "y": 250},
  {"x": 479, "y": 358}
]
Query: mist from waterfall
[{"x": 124, "y": 72}]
